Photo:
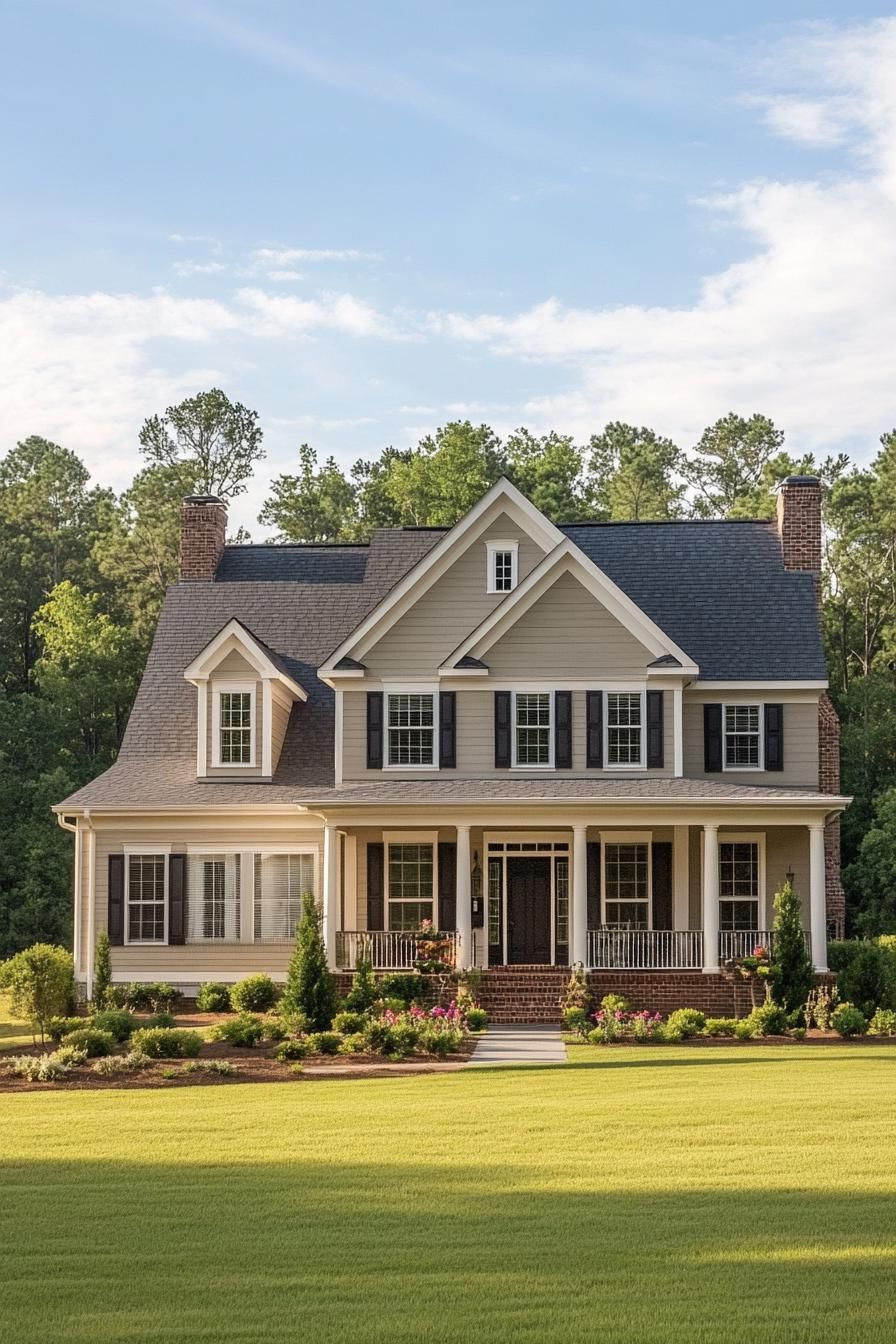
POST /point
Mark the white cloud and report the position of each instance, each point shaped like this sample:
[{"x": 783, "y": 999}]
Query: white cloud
[
  {"x": 199, "y": 267},
  {"x": 284, "y": 256},
  {"x": 277, "y": 314},
  {"x": 803, "y": 329}
]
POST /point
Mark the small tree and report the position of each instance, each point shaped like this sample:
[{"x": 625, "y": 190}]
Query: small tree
[
  {"x": 364, "y": 989},
  {"x": 42, "y": 981},
  {"x": 793, "y": 976},
  {"x": 310, "y": 988},
  {"x": 102, "y": 974}
]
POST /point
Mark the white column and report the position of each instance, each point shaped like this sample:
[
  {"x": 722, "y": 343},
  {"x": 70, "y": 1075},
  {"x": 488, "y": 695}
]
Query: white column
[
  {"x": 247, "y": 897},
  {"x": 710, "y": 897},
  {"x": 578, "y": 950},
  {"x": 677, "y": 732},
  {"x": 681, "y": 878},
  {"x": 464, "y": 915},
  {"x": 90, "y": 950},
  {"x": 330, "y": 893},
  {"x": 818, "y": 919}
]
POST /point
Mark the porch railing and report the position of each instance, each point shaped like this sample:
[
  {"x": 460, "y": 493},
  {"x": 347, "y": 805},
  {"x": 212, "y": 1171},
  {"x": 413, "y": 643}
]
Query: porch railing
[
  {"x": 386, "y": 951},
  {"x": 743, "y": 943},
  {"x": 645, "y": 949}
]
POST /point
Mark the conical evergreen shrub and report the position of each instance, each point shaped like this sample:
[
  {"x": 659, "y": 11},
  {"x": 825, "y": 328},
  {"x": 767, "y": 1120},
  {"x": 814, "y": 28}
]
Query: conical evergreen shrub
[{"x": 310, "y": 987}]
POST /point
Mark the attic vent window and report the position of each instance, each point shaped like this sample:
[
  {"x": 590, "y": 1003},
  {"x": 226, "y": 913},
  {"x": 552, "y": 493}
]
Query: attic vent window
[{"x": 502, "y": 566}]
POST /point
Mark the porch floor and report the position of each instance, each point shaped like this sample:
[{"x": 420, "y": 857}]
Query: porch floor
[{"x": 522, "y": 1043}]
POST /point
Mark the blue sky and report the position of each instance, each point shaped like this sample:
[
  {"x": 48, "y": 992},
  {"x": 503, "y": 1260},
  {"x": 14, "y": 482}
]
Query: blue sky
[{"x": 364, "y": 220}]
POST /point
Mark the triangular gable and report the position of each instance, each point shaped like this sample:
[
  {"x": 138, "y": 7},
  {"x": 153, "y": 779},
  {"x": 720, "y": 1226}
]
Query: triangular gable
[
  {"x": 503, "y": 497},
  {"x": 567, "y": 558},
  {"x": 235, "y": 636}
]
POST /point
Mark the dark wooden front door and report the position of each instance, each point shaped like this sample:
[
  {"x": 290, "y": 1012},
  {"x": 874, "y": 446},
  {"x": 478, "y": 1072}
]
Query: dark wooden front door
[{"x": 528, "y": 911}]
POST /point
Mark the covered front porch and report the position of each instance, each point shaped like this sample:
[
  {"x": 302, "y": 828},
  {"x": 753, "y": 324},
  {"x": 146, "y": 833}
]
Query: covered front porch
[{"x": 637, "y": 891}]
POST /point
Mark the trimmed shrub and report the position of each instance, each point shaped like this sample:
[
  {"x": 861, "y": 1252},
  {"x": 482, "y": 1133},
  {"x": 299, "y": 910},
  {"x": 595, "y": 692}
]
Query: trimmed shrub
[
  {"x": 310, "y": 987},
  {"x": 292, "y": 1049},
  {"x": 59, "y": 1027},
  {"x": 102, "y": 971},
  {"x": 245, "y": 1030},
  {"x": 255, "y": 994},
  {"x": 160, "y": 1020},
  {"x": 112, "y": 1065},
  {"x": 273, "y": 1029},
  {"x": 41, "y": 979},
  {"x": 744, "y": 1030},
  {"x": 167, "y": 1042},
  {"x": 439, "y": 1041},
  {"x": 405, "y": 987},
  {"x": 687, "y": 1021},
  {"x": 866, "y": 973},
  {"x": 93, "y": 1043},
  {"x": 575, "y": 1019},
  {"x": 615, "y": 1003},
  {"x": 847, "y": 1020},
  {"x": 364, "y": 990},
  {"x": 477, "y": 1018},
  {"x": 137, "y": 997},
  {"x": 349, "y": 1024},
  {"x": 117, "y": 1021},
  {"x": 769, "y": 1019},
  {"x": 720, "y": 1026},
  {"x": 222, "y": 1066},
  {"x": 596, "y": 1037},
  {"x": 883, "y": 1023},
  {"x": 325, "y": 1042},
  {"x": 355, "y": 1043},
  {"x": 213, "y": 997}
]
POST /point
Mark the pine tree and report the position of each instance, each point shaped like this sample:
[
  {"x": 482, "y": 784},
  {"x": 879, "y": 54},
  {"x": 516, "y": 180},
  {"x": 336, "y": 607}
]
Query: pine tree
[
  {"x": 310, "y": 988},
  {"x": 102, "y": 974},
  {"x": 794, "y": 976}
]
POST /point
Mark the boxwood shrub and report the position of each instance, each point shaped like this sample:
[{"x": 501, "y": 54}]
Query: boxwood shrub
[
  {"x": 117, "y": 1021},
  {"x": 213, "y": 997},
  {"x": 94, "y": 1043},
  {"x": 167, "y": 1042},
  {"x": 255, "y": 994},
  {"x": 245, "y": 1030}
]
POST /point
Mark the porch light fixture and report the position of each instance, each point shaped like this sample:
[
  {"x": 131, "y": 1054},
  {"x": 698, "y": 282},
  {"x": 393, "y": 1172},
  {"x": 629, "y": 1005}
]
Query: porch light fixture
[
  {"x": 476, "y": 877},
  {"x": 788, "y": 876}
]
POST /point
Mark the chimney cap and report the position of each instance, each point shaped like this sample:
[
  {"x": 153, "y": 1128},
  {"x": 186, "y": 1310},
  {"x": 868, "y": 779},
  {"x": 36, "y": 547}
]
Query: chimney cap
[
  {"x": 199, "y": 500},
  {"x": 799, "y": 480}
]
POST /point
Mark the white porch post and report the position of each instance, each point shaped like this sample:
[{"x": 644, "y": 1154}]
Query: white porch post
[
  {"x": 330, "y": 893},
  {"x": 579, "y": 924},
  {"x": 710, "y": 897},
  {"x": 464, "y": 916},
  {"x": 818, "y": 920}
]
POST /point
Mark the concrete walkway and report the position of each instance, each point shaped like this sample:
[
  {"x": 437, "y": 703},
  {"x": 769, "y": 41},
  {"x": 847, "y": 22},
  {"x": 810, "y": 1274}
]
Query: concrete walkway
[{"x": 524, "y": 1043}]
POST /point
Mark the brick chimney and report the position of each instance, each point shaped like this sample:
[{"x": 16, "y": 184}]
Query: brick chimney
[
  {"x": 203, "y": 524},
  {"x": 799, "y": 522}
]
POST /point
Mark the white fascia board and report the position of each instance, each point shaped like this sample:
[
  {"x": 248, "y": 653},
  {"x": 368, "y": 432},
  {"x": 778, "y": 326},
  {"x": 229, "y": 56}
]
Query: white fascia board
[
  {"x": 502, "y": 497},
  {"x": 777, "y": 685},
  {"x": 567, "y": 558},
  {"x": 203, "y": 666}
]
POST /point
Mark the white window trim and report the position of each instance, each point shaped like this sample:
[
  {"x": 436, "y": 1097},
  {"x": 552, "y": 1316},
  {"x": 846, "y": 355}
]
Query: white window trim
[
  {"x": 411, "y": 688},
  {"x": 220, "y": 688},
  {"x": 625, "y": 838},
  {"x": 515, "y": 764},
  {"x": 139, "y": 852},
  {"x": 641, "y": 691},
  {"x": 412, "y": 838},
  {"x": 750, "y": 838},
  {"x": 743, "y": 704},
  {"x": 492, "y": 549}
]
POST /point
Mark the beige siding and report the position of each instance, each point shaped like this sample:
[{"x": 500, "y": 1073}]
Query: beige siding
[
  {"x": 567, "y": 633},
  {"x": 419, "y": 642},
  {"x": 280, "y": 711},
  {"x": 800, "y": 741},
  {"x": 476, "y": 737},
  {"x": 786, "y": 847},
  {"x": 235, "y": 666}
]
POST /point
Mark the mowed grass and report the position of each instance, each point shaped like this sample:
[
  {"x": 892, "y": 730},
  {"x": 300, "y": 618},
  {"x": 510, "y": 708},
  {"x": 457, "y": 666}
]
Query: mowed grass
[{"x": 658, "y": 1195}]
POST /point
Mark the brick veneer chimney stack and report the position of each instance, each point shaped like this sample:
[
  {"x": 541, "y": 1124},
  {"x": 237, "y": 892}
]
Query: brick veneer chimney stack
[
  {"x": 799, "y": 526},
  {"x": 203, "y": 525}
]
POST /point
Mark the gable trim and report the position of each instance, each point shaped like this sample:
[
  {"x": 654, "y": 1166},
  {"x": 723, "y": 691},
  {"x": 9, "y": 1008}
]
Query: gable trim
[
  {"x": 202, "y": 668},
  {"x": 502, "y": 497},
  {"x": 567, "y": 558}
]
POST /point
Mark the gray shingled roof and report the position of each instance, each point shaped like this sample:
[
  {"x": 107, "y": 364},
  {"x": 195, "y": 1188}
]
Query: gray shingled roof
[{"x": 717, "y": 589}]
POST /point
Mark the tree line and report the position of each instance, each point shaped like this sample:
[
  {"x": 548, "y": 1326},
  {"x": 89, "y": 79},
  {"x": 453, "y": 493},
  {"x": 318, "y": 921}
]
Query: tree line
[{"x": 83, "y": 571}]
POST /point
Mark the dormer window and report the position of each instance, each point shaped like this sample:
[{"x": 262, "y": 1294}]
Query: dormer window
[
  {"x": 502, "y": 566},
  {"x": 234, "y": 725}
]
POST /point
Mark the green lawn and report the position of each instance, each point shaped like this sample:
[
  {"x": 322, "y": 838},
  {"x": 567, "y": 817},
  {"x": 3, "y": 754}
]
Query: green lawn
[
  {"x": 657, "y": 1195},
  {"x": 12, "y": 1030}
]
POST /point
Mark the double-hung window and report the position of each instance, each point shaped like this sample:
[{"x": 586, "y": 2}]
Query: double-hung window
[
  {"x": 532, "y": 728},
  {"x": 625, "y": 728},
  {"x": 281, "y": 881},
  {"x": 234, "y": 726},
  {"x": 411, "y": 885},
  {"x": 410, "y": 729},
  {"x": 502, "y": 566},
  {"x": 743, "y": 737},
  {"x": 147, "y": 898},
  {"x": 213, "y": 898},
  {"x": 739, "y": 883},
  {"x": 627, "y": 884}
]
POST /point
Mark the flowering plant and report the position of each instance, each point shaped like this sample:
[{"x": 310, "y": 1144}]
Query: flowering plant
[
  {"x": 619, "y": 1024},
  {"x": 434, "y": 951}
]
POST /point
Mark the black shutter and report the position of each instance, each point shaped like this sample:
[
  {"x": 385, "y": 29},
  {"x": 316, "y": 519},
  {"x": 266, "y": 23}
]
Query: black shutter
[
  {"x": 447, "y": 920},
  {"x": 376, "y": 914},
  {"x": 662, "y": 884},
  {"x": 774, "y": 737},
  {"x": 374, "y": 730},
  {"x": 712, "y": 738},
  {"x": 593, "y": 860},
  {"x": 447, "y": 730},
  {"x": 177, "y": 898},
  {"x": 594, "y": 712},
  {"x": 563, "y": 730},
  {"x": 502, "y": 730},
  {"x": 115, "y": 917},
  {"x": 654, "y": 730}
]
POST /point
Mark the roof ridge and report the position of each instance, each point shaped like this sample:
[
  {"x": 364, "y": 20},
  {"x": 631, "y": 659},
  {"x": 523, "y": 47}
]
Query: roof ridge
[{"x": 666, "y": 522}]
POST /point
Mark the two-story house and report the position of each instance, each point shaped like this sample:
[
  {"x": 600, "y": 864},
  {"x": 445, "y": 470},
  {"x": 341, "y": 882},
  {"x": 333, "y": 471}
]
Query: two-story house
[{"x": 596, "y": 743}]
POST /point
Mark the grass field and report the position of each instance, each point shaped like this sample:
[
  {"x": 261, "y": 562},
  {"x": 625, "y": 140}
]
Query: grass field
[{"x": 657, "y": 1195}]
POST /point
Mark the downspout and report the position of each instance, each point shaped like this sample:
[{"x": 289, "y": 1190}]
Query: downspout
[
  {"x": 91, "y": 900},
  {"x": 76, "y": 922}
]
